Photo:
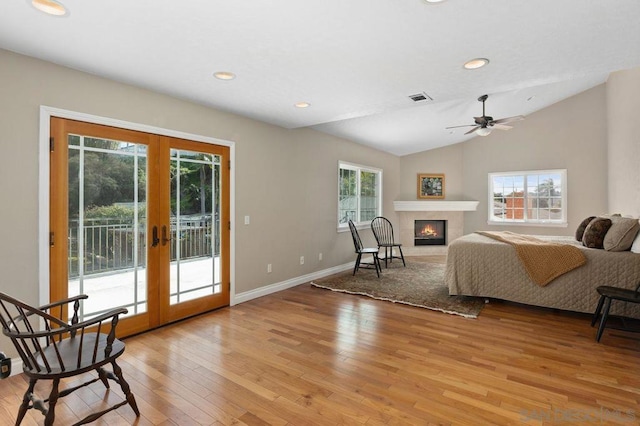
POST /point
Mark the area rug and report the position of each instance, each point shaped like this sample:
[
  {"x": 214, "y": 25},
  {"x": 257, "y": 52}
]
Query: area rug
[{"x": 420, "y": 284}]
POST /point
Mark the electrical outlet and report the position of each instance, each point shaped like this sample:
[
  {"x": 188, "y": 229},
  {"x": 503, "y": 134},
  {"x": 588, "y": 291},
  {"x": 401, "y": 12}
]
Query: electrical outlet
[
  {"x": 268, "y": 268},
  {"x": 320, "y": 256},
  {"x": 302, "y": 260}
]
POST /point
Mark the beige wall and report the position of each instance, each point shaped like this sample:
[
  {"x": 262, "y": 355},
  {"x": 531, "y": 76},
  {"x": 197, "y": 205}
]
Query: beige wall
[
  {"x": 447, "y": 160},
  {"x": 623, "y": 109},
  {"x": 286, "y": 180},
  {"x": 571, "y": 134}
]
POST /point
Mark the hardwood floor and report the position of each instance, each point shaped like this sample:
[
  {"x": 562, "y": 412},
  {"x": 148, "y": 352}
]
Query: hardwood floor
[{"x": 309, "y": 356}]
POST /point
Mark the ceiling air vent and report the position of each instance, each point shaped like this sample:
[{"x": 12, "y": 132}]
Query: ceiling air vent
[{"x": 420, "y": 97}]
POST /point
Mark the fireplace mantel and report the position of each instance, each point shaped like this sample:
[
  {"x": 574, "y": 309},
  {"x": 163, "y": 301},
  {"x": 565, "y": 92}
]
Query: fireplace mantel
[{"x": 435, "y": 206}]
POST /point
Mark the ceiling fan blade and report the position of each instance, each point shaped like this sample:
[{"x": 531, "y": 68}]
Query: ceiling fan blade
[
  {"x": 465, "y": 125},
  {"x": 501, "y": 126},
  {"x": 508, "y": 119},
  {"x": 472, "y": 130}
]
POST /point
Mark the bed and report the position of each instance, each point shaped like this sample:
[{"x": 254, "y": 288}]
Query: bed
[{"x": 484, "y": 267}]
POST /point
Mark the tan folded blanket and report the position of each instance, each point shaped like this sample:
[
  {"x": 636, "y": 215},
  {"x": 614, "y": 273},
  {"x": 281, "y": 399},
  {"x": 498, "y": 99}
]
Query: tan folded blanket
[{"x": 543, "y": 260}]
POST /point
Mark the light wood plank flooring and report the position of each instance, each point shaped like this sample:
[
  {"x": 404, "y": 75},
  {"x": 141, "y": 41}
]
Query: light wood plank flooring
[{"x": 307, "y": 356}]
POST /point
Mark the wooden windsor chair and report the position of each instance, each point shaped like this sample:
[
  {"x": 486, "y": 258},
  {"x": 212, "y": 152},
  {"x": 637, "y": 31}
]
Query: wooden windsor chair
[
  {"x": 383, "y": 231},
  {"x": 361, "y": 249},
  {"x": 53, "y": 349}
]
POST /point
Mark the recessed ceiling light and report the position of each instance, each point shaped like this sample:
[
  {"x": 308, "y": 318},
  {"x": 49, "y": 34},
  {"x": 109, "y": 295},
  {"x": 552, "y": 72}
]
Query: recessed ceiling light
[
  {"x": 224, "y": 75},
  {"x": 51, "y": 7},
  {"x": 476, "y": 63},
  {"x": 432, "y": 1},
  {"x": 302, "y": 104}
]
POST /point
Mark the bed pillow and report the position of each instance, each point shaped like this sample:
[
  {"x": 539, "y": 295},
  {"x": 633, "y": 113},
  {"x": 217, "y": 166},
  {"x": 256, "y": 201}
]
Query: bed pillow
[
  {"x": 583, "y": 225},
  {"x": 594, "y": 234},
  {"x": 621, "y": 234}
]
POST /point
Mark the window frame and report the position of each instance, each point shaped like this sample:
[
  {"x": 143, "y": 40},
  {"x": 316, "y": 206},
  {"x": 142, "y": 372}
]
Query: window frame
[
  {"x": 358, "y": 168},
  {"x": 525, "y": 175}
]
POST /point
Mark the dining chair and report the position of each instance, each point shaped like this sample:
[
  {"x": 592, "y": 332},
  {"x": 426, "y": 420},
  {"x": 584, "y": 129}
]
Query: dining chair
[
  {"x": 360, "y": 250},
  {"x": 53, "y": 349},
  {"x": 383, "y": 231}
]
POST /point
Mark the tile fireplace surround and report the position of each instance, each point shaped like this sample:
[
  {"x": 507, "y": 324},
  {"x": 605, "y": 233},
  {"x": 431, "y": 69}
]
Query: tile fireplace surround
[{"x": 410, "y": 211}]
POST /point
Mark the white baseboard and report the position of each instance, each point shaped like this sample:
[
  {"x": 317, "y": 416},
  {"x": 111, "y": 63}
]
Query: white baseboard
[
  {"x": 16, "y": 366},
  {"x": 276, "y": 287}
]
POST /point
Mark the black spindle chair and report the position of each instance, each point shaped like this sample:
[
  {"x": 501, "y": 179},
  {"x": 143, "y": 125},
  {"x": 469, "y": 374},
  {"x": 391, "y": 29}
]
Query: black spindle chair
[
  {"x": 360, "y": 250},
  {"x": 383, "y": 231},
  {"x": 53, "y": 349}
]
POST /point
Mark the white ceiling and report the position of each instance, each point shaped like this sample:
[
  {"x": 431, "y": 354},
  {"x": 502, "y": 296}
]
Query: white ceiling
[{"x": 355, "y": 61}]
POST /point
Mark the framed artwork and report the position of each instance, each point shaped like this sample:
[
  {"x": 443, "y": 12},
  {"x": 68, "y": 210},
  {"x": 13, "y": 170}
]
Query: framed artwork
[{"x": 430, "y": 185}]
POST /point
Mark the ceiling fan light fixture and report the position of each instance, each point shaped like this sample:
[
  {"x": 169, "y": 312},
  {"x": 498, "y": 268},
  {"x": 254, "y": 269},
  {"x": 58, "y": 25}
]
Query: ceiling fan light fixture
[
  {"x": 50, "y": 7},
  {"x": 476, "y": 63},
  {"x": 483, "y": 131}
]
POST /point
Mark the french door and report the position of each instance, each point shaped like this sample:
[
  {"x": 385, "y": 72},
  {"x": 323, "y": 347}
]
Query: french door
[{"x": 140, "y": 221}]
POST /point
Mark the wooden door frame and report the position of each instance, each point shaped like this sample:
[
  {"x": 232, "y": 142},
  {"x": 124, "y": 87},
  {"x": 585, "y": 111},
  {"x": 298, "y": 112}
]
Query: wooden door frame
[{"x": 46, "y": 113}]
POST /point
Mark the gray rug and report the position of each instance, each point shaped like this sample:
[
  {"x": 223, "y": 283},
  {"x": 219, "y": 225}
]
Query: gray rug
[{"x": 420, "y": 284}]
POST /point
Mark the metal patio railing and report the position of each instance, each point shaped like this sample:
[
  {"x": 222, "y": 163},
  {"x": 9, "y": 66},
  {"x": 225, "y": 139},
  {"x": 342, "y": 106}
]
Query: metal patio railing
[{"x": 113, "y": 244}]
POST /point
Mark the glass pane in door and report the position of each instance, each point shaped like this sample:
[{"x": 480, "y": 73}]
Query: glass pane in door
[
  {"x": 107, "y": 207},
  {"x": 195, "y": 225}
]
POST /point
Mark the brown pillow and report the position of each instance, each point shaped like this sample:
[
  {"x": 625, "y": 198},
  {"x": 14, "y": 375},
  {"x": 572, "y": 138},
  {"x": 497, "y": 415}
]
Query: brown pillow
[
  {"x": 594, "y": 234},
  {"x": 582, "y": 227},
  {"x": 621, "y": 234}
]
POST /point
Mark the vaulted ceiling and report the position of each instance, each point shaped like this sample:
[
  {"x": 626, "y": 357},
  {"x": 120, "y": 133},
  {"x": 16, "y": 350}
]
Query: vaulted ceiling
[{"x": 356, "y": 62}]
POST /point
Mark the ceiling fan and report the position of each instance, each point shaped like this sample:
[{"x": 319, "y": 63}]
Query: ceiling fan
[{"x": 485, "y": 124}]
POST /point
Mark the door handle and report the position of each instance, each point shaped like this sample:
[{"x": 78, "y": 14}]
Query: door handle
[
  {"x": 165, "y": 240},
  {"x": 155, "y": 240}
]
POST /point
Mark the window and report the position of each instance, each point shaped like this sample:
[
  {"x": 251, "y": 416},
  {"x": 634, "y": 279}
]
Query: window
[
  {"x": 534, "y": 197},
  {"x": 359, "y": 194}
]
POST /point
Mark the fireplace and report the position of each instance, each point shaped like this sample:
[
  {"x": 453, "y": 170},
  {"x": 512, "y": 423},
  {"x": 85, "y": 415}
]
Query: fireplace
[{"x": 430, "y": 233}]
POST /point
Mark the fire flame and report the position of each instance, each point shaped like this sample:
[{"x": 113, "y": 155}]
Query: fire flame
[{"x": 428, "y": 231}]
